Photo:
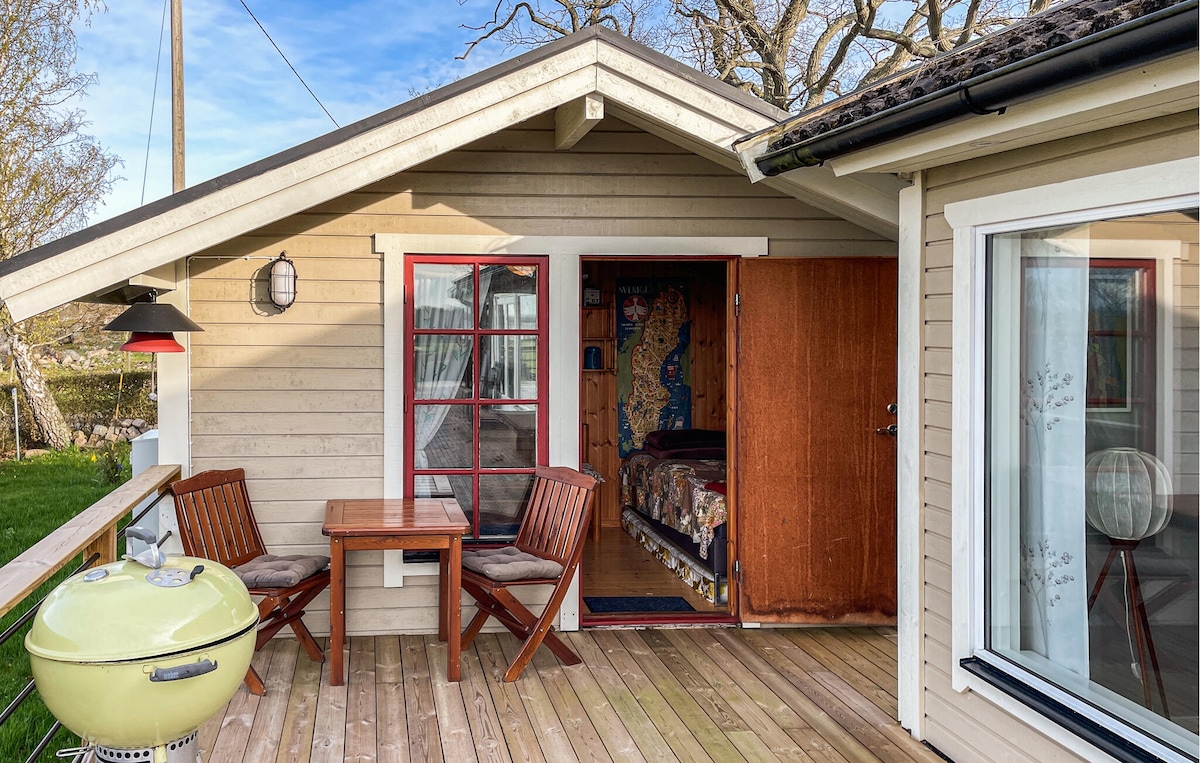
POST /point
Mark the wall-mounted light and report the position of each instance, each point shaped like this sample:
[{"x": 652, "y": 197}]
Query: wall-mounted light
[
  {"x": 150, "y": 325},
  {"x": 281, "y": 287}
]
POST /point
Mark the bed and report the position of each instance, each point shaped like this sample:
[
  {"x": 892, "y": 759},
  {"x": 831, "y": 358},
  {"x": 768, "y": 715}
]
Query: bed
[{"x": 673, "y": 504}]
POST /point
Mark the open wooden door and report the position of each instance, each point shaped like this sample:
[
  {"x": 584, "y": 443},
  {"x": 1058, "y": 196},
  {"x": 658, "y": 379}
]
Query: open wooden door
[{"x": 816, "y": 481}]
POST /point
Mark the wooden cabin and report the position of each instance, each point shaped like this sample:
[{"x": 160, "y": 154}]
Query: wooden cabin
[
  {"x": 586, "y": 167},
  {"x": 834, "y": 272}
]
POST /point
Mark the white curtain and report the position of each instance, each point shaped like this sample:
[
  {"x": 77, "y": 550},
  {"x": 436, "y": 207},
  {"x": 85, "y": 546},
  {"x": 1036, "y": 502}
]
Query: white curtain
[
  {"x": 439, "y": 368},
  {"x": 1054, "y": 335}
]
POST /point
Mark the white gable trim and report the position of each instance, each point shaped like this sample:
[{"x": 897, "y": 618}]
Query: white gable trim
[{"x": 678, "y": 106}]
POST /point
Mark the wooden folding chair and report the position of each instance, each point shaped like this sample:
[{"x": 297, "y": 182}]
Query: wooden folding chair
[
  {"x": 552, "y": 530},
  {"x": 216, "y": 522}
]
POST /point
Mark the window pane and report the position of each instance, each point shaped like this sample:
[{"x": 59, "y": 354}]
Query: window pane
[
  {"x": 507, "y": 436},
  {"x": 441, "y": 366},
  {"x": 1092, "y": 434},
  {"x": 508, "y": 297},
  {"x": 443, "y": 437},
  {"x": 454, "y": 486},
  {"x": 508, "y": 369},
  {"x": 442, "y": 296},
  {"x": 502, "y": 499}
]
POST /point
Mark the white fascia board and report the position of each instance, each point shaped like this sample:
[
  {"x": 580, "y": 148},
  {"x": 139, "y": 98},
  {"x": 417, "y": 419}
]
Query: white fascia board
[
  {"x": 274, "y": 195},
  {"x": 1164, "y": 87},
  {"x": 684, "y": 139},
  {"x": 871, "y": 201},
  {"x": 676, "y": 113},
  {"x": 685, "y": 90}
]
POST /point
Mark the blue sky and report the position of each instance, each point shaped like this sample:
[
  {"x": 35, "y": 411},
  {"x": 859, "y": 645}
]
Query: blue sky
[{"x": 242, "y": 101}]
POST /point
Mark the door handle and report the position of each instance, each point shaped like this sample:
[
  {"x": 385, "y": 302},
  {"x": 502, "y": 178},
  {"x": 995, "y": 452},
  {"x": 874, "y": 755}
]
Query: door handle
[{"x": 889, "y": 429}]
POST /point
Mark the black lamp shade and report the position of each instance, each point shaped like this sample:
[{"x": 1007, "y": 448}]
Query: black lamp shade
[{"x": 152, "y": 318}]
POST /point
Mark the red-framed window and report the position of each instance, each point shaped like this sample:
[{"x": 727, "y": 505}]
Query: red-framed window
[{"x": 475, "y": 383}]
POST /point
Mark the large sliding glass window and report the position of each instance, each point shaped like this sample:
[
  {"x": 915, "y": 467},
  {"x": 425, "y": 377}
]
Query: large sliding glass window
[
  {"x": 476, "y": 381},
  {"x": 1092, "y": 466}
]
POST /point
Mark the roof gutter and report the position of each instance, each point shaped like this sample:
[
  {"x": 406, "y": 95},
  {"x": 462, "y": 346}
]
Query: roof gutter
[{"x": 1138, "y": 41}]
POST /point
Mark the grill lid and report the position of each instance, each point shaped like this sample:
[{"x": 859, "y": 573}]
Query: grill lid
[{"x": 126, "y": 611}]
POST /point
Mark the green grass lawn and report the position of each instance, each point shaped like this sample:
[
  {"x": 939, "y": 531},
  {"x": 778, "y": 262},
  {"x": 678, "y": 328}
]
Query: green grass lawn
[{"x": 36, "y": 496}]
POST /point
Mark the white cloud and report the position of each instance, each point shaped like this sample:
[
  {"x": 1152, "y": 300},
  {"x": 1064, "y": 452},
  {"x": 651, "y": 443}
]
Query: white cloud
[{"x": 242, "y": 101}]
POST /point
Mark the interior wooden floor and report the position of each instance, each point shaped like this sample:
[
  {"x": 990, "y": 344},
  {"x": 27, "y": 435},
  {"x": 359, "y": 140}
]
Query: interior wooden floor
[
  {"x": 616, "y": 565},
  {"x": 694, "y": 694}
]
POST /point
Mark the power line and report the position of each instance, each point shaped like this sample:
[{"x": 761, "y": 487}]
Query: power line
[
  {"x": 153, "y": 97},
  {"x": 289, "y": 63}
]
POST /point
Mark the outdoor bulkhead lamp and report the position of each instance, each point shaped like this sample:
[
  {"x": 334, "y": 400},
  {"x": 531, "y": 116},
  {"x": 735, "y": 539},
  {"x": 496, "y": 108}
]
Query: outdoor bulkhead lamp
[
  {"x": 150, "y": 325},
  {"x": 282, "y": 285}
]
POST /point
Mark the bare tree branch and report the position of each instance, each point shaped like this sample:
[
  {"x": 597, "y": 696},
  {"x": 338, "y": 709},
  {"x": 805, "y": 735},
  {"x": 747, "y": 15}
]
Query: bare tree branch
[
  {"x": 52, "y": 174},
  {"x": 786, "y": 52}
]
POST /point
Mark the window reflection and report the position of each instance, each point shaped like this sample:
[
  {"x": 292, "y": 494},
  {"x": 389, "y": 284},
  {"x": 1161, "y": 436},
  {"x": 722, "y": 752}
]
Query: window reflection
[{"x": 1092, "y": 435}]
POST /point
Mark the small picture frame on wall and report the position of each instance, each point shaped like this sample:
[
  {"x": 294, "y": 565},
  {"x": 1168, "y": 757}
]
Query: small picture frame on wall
[{"x": 591, "y": 297}]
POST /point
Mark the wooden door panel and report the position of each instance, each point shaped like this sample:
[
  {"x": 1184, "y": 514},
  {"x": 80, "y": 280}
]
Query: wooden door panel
[{"x": 816, "y": 521}]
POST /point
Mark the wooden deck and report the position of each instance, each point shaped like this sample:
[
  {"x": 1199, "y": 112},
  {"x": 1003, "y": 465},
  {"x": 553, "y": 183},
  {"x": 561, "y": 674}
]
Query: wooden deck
[{"x": 656, "y": 695}]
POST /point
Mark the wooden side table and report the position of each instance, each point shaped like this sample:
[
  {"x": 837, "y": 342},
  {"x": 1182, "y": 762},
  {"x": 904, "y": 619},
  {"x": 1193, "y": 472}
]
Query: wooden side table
[{"x": 402, "y": 523}]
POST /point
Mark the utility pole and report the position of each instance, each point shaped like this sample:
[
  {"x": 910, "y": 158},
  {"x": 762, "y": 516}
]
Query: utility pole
[{"x": 177, "y": 176}]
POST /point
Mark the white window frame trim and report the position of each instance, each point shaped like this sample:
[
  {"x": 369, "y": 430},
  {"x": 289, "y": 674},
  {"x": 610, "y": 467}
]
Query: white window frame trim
[
  {"x": 1140, "y": 190},
  {"x": 564, "y": 255}
]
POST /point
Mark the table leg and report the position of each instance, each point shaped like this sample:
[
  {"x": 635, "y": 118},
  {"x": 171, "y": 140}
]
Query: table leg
[
  {"x": 337, "y": 610},
  {"x": 443, "y": 594},
  {"x": 452, "y": 587}
]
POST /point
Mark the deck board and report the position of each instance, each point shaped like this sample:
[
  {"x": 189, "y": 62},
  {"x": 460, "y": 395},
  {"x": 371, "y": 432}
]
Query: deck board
[{"x": 722, "y": 694}]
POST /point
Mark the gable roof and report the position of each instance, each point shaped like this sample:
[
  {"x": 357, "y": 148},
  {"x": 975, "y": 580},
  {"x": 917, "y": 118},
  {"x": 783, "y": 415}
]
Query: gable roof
[
  {"x": 1064, "y": 46},
  {"x": 634, "y": 83}
]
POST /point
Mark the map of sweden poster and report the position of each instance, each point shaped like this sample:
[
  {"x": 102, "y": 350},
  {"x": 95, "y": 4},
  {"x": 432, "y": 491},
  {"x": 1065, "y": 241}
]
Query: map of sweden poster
[{"x": 653, "y": 364}]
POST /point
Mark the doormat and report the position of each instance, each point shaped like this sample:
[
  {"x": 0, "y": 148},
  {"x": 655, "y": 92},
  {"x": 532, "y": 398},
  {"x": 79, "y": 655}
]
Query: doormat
[{"x": 608, "y": 604}]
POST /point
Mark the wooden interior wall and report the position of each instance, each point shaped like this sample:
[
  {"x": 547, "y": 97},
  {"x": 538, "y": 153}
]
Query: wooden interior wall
[{"x": 598, "y": 389}]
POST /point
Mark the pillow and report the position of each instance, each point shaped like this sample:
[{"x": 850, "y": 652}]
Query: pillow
[
  {"x": 269, "y": 571},
  {"x": 687, "y": 452},
  {"x": 670, "y": 439},
  {"x": 508, "y": 563}
]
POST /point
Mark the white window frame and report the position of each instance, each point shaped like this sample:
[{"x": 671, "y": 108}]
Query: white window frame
[
  {"x": 564, "y": 255},
  {"x": 1141, "y": 190}
]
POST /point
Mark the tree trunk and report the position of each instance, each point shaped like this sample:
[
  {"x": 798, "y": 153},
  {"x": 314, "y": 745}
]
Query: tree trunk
[{"x": 46, "y": 415}]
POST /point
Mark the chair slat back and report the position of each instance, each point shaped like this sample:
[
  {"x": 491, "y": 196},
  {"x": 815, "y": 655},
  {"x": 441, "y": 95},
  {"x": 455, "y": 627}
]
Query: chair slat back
[
  {"x": 215, "y": 518},
  {"x": 557, "y": 516}
]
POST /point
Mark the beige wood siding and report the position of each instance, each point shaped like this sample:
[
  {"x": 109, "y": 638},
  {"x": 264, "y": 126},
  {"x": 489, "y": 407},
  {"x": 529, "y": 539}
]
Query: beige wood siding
[
  {"x": 297, "y": 398},
  {"x": 964, "y": 726}
]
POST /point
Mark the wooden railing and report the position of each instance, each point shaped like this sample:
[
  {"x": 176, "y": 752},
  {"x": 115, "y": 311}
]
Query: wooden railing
[{"x": 92, "y": 531}]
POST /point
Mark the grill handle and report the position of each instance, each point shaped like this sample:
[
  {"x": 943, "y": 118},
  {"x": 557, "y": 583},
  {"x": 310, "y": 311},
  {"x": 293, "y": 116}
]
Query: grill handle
[
  {"x": 180, "y": 672},
  {"x": 141, "y": 533}
]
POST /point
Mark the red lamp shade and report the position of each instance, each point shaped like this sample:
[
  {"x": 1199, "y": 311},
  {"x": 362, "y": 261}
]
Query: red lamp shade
[
  {"x": 140, "y": 341},
  {"x": 150, "y": 325}
]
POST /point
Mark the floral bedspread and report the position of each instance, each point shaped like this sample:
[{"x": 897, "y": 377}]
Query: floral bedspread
[{"x": 673, "y": 493}]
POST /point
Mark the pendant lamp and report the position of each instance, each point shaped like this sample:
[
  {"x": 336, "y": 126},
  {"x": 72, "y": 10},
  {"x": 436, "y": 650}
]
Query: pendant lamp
[
  {"x": 150, "y": 325},
  {"x": 1128, "y": 493}
]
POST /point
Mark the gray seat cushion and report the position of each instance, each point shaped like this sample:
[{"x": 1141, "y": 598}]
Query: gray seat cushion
[
  {"x": 268, "y": 571},
  {"x": 507, "y": 563}
]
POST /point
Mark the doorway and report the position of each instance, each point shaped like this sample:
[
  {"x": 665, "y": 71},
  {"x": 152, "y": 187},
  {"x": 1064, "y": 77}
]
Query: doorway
[
  {"x": 794, "y": 361},
  {"x": 655, "y": 359}
]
